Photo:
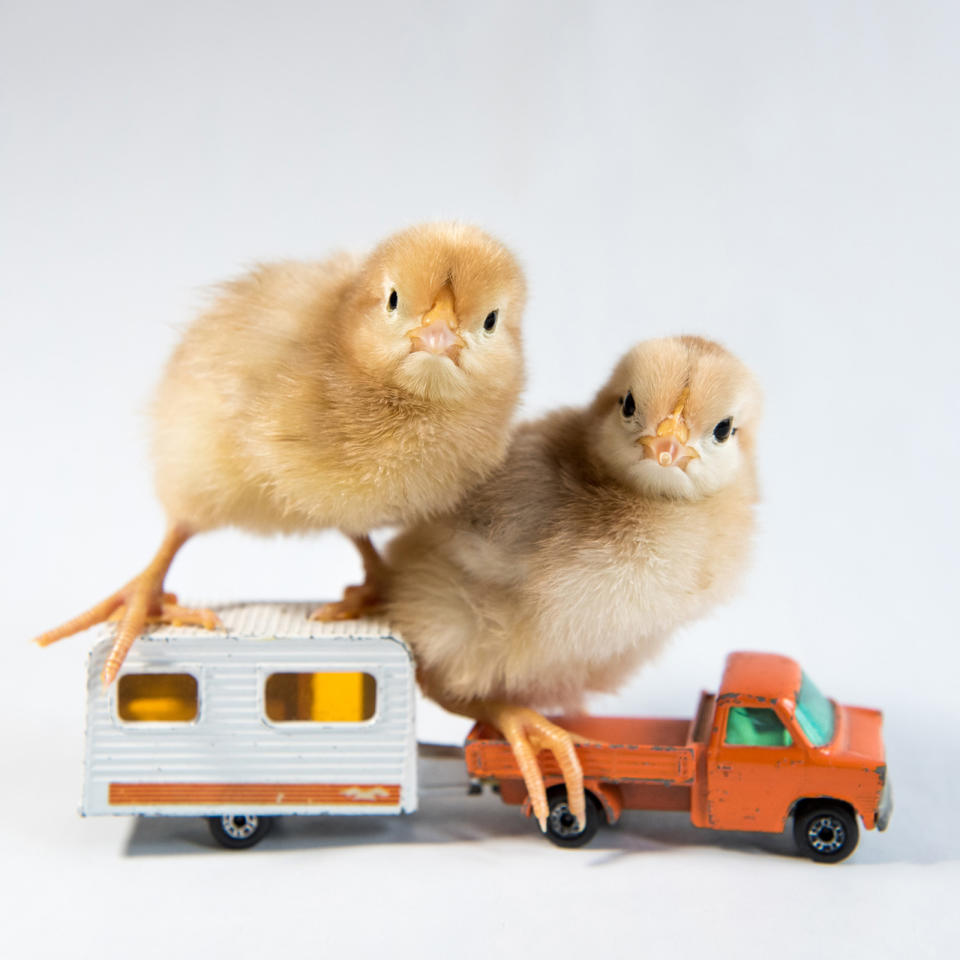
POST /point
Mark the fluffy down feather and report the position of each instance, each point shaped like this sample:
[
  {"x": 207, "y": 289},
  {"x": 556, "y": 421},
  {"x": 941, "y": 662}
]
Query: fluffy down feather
[
  {"x": 345, "y": 393},
  {"x": 297, "y": 402},
  {"x": 577, "y": 558}
]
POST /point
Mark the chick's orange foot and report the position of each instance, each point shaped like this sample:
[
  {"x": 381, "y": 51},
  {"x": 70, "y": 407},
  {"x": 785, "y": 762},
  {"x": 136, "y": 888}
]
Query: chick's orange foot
[
  {"x": 170, "y": 612},
  {"x": 134, "y": 605},
  {"x": 529, "y": 732},
  {"x": 365, "y": 600}
]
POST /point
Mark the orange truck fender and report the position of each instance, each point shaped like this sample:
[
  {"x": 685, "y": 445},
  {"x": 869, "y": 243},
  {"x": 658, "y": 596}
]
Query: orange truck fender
[{"x": 608, "y": 794}]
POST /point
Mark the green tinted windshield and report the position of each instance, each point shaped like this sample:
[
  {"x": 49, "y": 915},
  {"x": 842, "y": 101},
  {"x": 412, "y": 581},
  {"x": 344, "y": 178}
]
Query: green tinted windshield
[{"x": 814, "y": 714}]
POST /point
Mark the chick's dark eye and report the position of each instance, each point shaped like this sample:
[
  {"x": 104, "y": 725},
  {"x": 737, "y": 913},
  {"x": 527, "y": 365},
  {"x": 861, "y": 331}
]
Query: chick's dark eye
[
  {"x": 723, "y": 430},
  {"x": 491, "y": 320},
  {"x": 392, "y": 300},
  {"x": 628, "y": 406}
]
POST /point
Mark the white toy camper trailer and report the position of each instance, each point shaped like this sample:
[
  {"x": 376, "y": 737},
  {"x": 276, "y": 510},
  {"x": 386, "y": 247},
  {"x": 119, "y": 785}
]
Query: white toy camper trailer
[{"x": 274, "y": 714}]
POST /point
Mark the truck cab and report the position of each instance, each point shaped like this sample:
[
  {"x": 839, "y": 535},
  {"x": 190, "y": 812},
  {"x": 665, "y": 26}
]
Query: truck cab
[{"x": 774, "y": 747}]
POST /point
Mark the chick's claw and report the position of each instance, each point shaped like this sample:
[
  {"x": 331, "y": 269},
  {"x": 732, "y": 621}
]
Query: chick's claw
[
  {"x": 529, "y": 732},
  {"x": 134, "y": 605}
]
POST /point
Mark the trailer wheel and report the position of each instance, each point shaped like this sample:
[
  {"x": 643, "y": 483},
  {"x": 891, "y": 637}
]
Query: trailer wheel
[
  {"x": 561, "y": 825},
  {"x": 826, "y": 832},
  {"x": 237, "y": 831}
]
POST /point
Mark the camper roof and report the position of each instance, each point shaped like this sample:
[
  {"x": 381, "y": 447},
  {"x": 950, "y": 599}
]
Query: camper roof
[{"x": 265, "y": 621}]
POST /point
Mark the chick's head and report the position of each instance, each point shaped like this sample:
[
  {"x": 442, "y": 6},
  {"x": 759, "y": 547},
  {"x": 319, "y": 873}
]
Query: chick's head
[
  {"x": 677, "y": 419},
  {"x": 440, "y": 309}
]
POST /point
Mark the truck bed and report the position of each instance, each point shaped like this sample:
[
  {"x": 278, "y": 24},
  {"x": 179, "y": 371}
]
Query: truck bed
[{"x": 642, "y": 750}]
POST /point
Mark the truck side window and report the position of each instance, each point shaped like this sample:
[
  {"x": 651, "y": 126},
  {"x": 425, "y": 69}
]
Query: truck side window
[
  {"x": 157, "y": 697},
  {"x": 756, "y": 727},
  {"x": 320, "y": 697}
]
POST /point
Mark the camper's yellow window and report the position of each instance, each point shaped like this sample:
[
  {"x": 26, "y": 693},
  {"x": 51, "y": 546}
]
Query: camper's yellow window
[
  {"x": 157, "y": 697},
  {"x": 320, "y": 697}
]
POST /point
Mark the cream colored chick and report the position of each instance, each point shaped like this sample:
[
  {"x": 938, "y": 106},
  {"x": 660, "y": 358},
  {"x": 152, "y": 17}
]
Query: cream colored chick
[
  {"x": 604, "y": 530},
  {"x": 345, "y": 393}
]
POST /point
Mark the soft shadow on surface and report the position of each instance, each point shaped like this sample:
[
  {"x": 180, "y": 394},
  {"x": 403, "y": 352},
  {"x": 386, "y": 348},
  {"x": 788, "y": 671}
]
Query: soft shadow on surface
[
  {"x": 450, "y": 816},
  {"x": 447, "y": 814}
]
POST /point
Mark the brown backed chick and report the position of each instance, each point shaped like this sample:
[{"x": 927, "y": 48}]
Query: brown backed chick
[
  {"x": 604, "y": 530},
  {"x": 348, "y": 393}
]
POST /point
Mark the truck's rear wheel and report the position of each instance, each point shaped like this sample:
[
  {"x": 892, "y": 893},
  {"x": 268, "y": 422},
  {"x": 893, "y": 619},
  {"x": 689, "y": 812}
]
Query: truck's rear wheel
[
  {"x": 237, "y": 831},
  {"x": 561, "y": 824},
  {"x": 826, "y": 832}
]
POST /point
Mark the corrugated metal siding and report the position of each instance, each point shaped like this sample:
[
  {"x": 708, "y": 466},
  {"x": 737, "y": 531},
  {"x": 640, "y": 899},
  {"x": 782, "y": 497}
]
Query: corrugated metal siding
[
  {"x": 231, "y": 741},
  {"x": 259, "y": 620}
]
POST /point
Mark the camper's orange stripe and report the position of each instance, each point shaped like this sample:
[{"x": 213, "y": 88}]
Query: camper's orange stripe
[{"x": 374, "y": 794}]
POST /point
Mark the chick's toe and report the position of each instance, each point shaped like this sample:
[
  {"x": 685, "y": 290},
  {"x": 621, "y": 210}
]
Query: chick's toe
[
  {"x": 529, "y": 733},
  {"x": 140, "y": 601},
  {"x": 363, "y": 600}
]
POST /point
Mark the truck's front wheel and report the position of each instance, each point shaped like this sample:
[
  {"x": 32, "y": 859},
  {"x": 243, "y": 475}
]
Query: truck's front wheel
[
  {"x": 826, "y": 832},
  {"x": 562, "y": 827}
]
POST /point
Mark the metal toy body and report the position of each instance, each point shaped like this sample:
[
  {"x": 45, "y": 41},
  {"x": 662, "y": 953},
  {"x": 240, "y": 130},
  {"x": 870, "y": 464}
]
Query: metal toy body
[
  {"x": 278, "y": 714},
  {"x": 767, "y": 747}
]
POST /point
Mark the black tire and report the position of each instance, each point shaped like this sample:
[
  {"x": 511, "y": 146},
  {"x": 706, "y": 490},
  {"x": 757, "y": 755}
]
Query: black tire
[
  {"x": 238, "y": 831},
  {"x": 561, "y": 827},
  {"x": 826, "y": 832}
]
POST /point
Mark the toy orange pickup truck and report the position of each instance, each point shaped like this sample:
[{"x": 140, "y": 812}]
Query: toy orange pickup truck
[{"x": 767, "y": 747}]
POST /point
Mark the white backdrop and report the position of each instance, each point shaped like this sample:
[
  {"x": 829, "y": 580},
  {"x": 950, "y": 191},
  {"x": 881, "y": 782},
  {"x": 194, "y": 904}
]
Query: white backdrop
[{"x": 781, "y": 177}]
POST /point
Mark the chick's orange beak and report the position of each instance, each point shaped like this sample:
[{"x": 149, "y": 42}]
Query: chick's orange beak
[
  {"x": 439, "y": 330},
  {"x": 669, "y": 447}
]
